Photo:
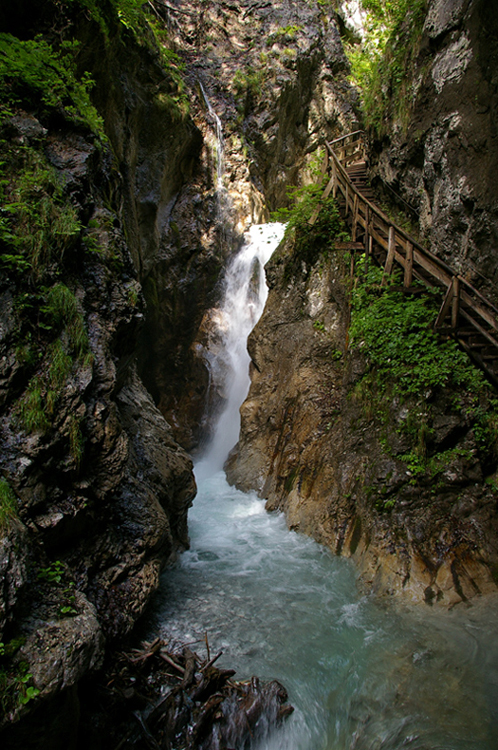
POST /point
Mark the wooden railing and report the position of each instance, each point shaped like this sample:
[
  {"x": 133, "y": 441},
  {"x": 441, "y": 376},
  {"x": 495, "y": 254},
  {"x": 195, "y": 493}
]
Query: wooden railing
[{"x": 465, "y": 313}]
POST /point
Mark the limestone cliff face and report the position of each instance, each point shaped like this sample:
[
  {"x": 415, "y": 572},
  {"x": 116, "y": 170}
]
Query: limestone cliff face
[
  {"x": 444, "y": 161},
  {"x": 99, "y": 486},
  {"x": 314, "y": 444},
  {"x": 276, "y": 76}
]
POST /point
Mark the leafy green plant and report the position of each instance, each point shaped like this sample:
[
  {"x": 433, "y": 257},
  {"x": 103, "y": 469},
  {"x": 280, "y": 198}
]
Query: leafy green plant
[
  {"x": 8, "y": 504},
  {"x": 176, "y": 99},
  {"x": 31, "y": 407},
  {"x": 67, "y": 610},
  {"x": 311, "y": 240},
  {"x": 406, "y": 359},
  {"x": 382, "y": 64},
  {"x": 132, "y": 296},
  {"x": 60, "y": 366},
  {"x": 68, "y": 606},
  {"x": 76, "y": 440},
  {"x": 62, "y": 311},
  {"x": 383, "y": 505},
  {"x": 395, "y": 332},
  {"x": 33, "y": 71},
  {"x": 128, "y": 13},
  {"x": 420, "y": 465},
  {"x": 39, "y": 224},
  {"x": 61, "y": 305},
  {"x": 61, "y": 315},
  {"x": 284, "y": 34},
  {"x": 247, "y": 84},
  {"x": 485, "y": 426},
  {"x": 15, "y": 678},
  {"x": 52, "y": 573}
]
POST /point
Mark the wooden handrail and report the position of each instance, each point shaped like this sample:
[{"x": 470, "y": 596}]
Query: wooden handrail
[
  {"x": 378, "y": 212},
  {"x": 343, "y": 137},
  {"x": 403, "y": 249}
]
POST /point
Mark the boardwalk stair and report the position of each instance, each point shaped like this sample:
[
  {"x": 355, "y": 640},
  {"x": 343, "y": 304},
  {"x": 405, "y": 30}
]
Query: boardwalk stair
[{"x": 465, "y": 314}]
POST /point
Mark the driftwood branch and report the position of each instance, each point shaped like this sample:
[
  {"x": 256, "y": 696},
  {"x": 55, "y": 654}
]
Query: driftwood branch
[
  {"x": 199, "y": 705},
  {"x": 171, "y": 662}
]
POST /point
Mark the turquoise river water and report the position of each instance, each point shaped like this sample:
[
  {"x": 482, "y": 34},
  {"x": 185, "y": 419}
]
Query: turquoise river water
[{"x": 362, "y": 673}]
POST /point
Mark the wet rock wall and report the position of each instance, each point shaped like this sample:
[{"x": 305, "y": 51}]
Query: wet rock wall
[
  {"x": 330, "y": 451},
  {"x": 443, "y": 159}
]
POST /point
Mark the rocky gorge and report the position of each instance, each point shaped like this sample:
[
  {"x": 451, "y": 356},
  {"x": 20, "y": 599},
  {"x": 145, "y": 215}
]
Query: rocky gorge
[
  {"x": 106, "y": 321},
  {"x": 422, "y": 528}
]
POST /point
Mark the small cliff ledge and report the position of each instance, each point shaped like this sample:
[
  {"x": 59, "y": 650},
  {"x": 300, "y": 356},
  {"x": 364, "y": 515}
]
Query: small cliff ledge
[{"x": 323, "y": 442}]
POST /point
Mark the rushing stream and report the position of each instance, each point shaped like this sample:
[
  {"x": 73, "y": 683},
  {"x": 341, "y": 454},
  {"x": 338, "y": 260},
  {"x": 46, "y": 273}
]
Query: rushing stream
[{"x": 360, "y": 672}]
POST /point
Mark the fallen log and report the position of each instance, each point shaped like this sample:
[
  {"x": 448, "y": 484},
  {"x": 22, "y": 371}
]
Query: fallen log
[{"x": 200, "y": 706}]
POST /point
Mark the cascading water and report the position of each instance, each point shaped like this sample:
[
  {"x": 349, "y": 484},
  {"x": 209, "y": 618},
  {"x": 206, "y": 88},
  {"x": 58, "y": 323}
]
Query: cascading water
[
  {"x": 244, "y": 300},
  {"x": 361, "y": 674},
  {"x": 220, "y": 149}
]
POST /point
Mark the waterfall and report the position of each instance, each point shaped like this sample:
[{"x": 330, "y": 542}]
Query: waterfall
[
  {"x": 277, "y": 604},
  {"x": 244, "y": 298},
  {"x": 220, "y": 154},
  {"x": 220, "y": 143},
  {"x": 360, "y": 674}
]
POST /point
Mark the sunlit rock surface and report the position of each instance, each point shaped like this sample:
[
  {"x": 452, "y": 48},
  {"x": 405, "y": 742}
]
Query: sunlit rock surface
[{"x": 313, "y": 446}]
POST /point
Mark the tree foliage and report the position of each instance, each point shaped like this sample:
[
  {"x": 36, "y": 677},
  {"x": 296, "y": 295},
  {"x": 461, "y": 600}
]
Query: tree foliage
[
  {"x": 33, "y": 72},
  {"x": 314, "y": 223},
  {"x": 381, "y": 64}
]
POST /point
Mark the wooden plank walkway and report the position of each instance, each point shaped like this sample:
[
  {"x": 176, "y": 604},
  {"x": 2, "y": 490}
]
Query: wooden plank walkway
[{"x": 465, "y": 314}]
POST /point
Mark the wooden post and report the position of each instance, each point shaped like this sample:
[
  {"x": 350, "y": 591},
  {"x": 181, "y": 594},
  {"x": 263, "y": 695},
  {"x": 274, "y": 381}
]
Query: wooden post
[
  {"x": 367, "y": 227},
  {"x": 390, "y": 254},
  {"x": 455, "y": 306},
  {"x": 347, "y": 199},
  {"x": 447, "y": 303},
  {"x": 325, "y": 163},
  {"x": 355, "y": 217},
  {"x": 334, "y": 179},
  {"x": 408, "y": 265}
]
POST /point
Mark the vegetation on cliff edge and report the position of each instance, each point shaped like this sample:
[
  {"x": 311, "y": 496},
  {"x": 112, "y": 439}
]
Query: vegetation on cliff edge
[
  {"x": 407, "y": 360},
  {"x": 382, "y": 62},
  {"x": 313, "y": 222}
]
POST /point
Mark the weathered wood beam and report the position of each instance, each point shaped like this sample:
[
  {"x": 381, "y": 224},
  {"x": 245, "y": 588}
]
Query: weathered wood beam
[
  {"x": 476, "y": 305},
  {"x": 391, "y": 246},
  {"x": 407, "y": 281},
  {"x": 348, "y": 245},
  {"x": 465, "y": 314},
  {"x": 367, "y": 235},
  {"x": 355, "y": 217},
  {"x": 455, "y": 303},
  {"x": 445, "y": 307}
]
